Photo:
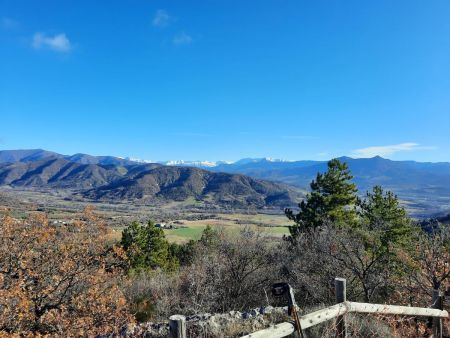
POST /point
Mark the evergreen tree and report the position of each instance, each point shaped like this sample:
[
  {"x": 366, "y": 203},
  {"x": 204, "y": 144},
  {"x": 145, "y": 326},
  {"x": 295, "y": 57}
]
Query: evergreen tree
[
  {"x": 382, "y": 215},
  {"x": 332, "y": 198},
  {"x": 210, "y": 237},
  {"x": 147, "y": 247},
  {"x": 385, "y": 230},
  {"x": 185, "y": 252}
]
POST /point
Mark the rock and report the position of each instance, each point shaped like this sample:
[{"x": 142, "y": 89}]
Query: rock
[
  {"x": 255, "y": 312},
  {"x": 266, "y": 310},
  {"x": 205, "y": 316},
  {"x": 207, "y": 324},
  {"x": 246, "y": 315},
  {"x": 235, "y": 314}
]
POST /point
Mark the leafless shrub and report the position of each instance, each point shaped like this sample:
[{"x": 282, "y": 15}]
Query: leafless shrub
[
  {"x": 316, "y": 258},
  {"x": 153, "y": 294},
  {"x": 235, "y": 272},
  {"x": 231, "y": 274}
]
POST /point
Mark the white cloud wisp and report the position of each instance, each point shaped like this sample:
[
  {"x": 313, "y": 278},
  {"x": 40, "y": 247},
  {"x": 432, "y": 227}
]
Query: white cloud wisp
[
  {"x": 388, "y": 150},
  {"x": 59, "y": 42},
  {"x": 161, "y": 18}
]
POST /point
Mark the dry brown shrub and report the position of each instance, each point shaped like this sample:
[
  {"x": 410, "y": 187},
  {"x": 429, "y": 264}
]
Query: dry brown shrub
[{"x": 59, "y": 280}]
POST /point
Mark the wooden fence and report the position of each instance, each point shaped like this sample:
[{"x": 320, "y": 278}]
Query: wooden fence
[{"x": 177, "y": 324}]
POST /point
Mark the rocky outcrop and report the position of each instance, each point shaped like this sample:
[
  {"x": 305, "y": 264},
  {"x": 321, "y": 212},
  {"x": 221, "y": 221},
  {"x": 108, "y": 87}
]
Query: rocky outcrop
[{"x": 231, "y": 324}]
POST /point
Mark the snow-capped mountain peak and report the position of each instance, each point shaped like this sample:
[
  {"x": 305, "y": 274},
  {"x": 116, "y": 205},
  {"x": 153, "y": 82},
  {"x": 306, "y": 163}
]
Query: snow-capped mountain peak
[
  {"x": 190, "y": 163},
  {"x": 205, "y": 163},
  {"x": 138, "y": 160}
]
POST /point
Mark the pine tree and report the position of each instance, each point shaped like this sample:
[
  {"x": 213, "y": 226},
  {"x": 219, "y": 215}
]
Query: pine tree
[
  {"x": 210, "y": 237},
  {"x": 185, "y": 252},
  {"x": 147, "y": 247},
  {"x": 382, "y": 215},
  {"x": 332, "y": 199},
  {"x": 385, "y": 229}
]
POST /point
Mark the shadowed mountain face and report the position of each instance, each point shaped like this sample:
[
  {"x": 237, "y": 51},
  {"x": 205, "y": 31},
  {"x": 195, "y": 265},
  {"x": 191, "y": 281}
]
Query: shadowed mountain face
[
  {"x": 182, "y": 183},
  {"x": 148, "y": 183}
]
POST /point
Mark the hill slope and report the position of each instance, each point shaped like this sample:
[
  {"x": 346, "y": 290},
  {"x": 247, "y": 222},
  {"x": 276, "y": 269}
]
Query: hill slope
[
  {"x": 148, "y": 183},
  {"x": 182, "y": 183},
  {"x": 58, "y": 173},
  {"x": 26, "y": 155}
]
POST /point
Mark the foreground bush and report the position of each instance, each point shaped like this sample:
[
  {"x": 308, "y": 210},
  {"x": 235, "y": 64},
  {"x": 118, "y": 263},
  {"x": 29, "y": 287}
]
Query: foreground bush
[
  {"x": 59, "y": 280},
  {"x": 228, "y": 272}
]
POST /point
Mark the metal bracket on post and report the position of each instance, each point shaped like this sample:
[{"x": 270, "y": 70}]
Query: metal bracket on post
[{"x": 280, "y": 289}]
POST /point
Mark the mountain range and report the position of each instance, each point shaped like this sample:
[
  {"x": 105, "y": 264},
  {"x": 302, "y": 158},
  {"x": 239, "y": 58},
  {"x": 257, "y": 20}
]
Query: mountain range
[
  {"x": 423, "y": 187},
  {"x": 148, "y": 183},
  {"x": 27, "y": 155}
]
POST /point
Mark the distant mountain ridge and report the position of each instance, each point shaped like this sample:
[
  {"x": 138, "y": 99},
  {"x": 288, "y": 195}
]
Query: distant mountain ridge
[
  {"x": 424, "y": 187},
  {"x": 148, "y": 183},
  {"x": 28, "y": 155}
]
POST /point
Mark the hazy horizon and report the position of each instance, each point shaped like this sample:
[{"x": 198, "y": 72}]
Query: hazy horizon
[{"x": 206, "y": 160}]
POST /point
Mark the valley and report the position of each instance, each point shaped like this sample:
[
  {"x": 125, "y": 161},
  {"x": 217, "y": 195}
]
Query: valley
[{"x": 189, "y": 219}]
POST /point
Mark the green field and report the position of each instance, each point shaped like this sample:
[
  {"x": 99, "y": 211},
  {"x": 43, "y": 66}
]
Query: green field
[
  {"x": 117, "y": 215},
  {"x": 184, "y": 234},
  {"x": 194, "y": 231}
]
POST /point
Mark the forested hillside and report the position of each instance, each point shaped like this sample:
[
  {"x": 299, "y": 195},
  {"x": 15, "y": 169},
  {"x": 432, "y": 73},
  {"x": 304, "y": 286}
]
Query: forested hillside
[{"x": 148, "y": 183}]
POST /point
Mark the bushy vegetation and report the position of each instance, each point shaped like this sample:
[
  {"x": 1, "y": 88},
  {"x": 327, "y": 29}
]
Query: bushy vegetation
[
  {"x": 60, "y": 280},
  {"x": 383, "y": 254},
  {"x": 65, "y": 279},
  {"x": 147, "y": 248}
]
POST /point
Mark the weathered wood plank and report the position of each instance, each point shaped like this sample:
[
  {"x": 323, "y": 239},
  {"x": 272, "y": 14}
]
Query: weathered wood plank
[
  {"x": 395, "y": 310},
  {"x": 275, "y": 331},
  {"x": 437, "y": 303},
  {"x": 340, "y": 290},
  {"x": 320, "y": 316},
  {"x": 323, "y": 315}
]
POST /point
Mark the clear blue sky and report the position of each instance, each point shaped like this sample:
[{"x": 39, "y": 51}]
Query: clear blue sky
[{"x": 223, "y": 79}]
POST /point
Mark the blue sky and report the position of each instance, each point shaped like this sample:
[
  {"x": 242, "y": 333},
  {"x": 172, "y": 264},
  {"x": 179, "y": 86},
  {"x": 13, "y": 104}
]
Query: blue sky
[{"x": 227, "y": 79}]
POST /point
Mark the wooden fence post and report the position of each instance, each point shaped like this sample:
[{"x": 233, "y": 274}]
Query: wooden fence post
[
  {"x": 437, "y": 303},
  {"x": 177, "y": 326},
  {"x": 340, "y": 289}
]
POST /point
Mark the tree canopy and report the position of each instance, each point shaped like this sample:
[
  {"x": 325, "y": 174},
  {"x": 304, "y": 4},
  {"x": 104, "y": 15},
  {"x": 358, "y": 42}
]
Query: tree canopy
[
  {"x": 147, "y": 247},
  {"x": 383, "y": 217},
  {"x": 332, "y": 198}
]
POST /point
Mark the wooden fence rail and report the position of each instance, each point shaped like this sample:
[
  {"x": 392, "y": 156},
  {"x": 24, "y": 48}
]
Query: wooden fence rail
[
  {"x": 343, "y": 307},
  {"x": 320, "y": 316},
  {"x": 339, "y": 310}
]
